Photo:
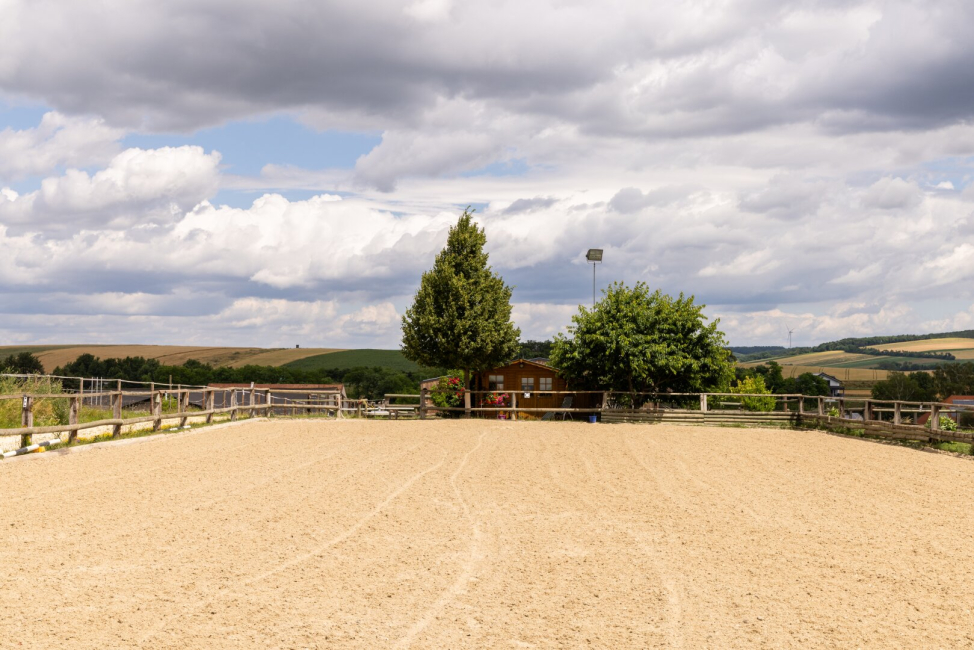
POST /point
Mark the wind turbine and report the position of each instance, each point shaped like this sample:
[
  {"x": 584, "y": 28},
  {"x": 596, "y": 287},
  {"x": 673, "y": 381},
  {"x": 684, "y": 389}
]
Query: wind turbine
[{"x": 790, "y": 330}]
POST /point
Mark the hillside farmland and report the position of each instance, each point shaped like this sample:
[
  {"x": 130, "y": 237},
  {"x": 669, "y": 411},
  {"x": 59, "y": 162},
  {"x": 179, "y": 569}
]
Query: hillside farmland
[
  {"x": 960, "y": 348},
  {"x": 54, "y": 356},
  {"x": 392, "y": 359}
]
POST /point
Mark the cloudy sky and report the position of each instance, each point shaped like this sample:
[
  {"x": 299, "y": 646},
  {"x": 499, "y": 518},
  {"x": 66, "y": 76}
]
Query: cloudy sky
[{"x": 246, "y": 172}]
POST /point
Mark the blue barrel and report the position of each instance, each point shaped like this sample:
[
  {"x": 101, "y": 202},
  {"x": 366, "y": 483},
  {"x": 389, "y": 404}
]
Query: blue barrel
[{"x": 592, "y": 419}]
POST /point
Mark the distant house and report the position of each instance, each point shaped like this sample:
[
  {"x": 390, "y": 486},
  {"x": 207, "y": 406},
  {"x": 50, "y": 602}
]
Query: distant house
[
  {"x": 430, "y": 383},
  {"x": 836, "y": 389},
  {"x": 966, "y": 400}
]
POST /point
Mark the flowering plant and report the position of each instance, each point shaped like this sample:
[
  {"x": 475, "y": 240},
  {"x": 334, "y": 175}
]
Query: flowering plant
[
  {"x": 496, "y": 399},
  {"x": 449, "y": 390}
]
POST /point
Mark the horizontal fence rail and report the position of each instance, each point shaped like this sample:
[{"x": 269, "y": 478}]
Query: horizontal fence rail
[
  {"x": 892, "y": 419},
  {"x": 173, "y": 404}
]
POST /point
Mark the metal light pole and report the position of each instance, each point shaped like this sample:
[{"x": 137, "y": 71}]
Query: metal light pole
[{"x": 594, "y": 256}]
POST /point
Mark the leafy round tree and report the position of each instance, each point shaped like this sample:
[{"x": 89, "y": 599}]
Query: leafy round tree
[
  {"x": 461, "y": 316},
  {"x": 24, "y": 363},
  {"x": 635, "y": 341}
]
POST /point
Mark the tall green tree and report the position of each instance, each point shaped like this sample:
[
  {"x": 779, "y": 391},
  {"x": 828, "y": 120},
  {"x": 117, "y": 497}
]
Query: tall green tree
[
  {"x": 954, "y": 379},
  {"x": 899, "y": 386},
  {"x": 24, "y": 363},
  {"x": 636, "y": 341},
  {"x": 461, "y": 316}
]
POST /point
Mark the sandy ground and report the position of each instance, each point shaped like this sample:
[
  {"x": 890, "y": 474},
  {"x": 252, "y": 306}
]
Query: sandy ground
[{"x": 310, "y": 534}]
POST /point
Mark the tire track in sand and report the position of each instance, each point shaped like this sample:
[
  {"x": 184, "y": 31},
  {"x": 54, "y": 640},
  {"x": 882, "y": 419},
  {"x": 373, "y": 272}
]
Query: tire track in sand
[
  {"x": 298, "y": 559},
  {"x": 142, "y": 471},
  {"x": 673, "y": 604},
  {"x": 348, "y": 532},
  {"x": 476, "y": 556}
]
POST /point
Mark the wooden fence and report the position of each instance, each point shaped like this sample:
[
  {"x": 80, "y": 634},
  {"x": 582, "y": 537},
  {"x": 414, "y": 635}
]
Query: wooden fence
[
  {"x": 235, "y": 401},
  {"x": 886, "y": 419},
  {"x": 880, "y": 418}
]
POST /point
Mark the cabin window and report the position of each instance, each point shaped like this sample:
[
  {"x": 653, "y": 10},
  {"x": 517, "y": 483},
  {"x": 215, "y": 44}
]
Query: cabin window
[
  {"x": 544, "y": 383},
  {"x": 527, "y": 384},
  {"x": 495, "y": 382}
]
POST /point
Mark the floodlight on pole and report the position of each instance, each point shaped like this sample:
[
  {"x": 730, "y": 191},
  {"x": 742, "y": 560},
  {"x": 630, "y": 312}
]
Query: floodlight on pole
[{"x": 594, "y": 256}]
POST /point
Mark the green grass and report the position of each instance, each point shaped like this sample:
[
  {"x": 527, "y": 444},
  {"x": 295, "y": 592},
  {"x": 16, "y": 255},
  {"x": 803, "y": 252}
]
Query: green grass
[
  {"x": 392, "y": 359},
  {"x": 956, "y": 447},
  {"x": 138, "y": 433}
]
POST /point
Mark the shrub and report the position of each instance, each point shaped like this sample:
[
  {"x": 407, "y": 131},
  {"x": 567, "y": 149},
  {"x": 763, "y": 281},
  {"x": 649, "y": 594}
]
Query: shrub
[
  {"x": 946, "y": 424},
  {"x": 449, "y": 392},
  {"x": 833, "y": 412},
  {"x": 47, "y": 412},
  {"x": 753, "y": 386}
]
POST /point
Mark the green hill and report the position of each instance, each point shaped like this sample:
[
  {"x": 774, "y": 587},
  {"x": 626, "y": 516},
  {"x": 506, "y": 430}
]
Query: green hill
[{"x": 392, "y": 359}]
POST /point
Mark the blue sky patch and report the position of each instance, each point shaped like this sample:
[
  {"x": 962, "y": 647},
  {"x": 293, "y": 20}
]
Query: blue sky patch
[{"x": 247, "y": 146}]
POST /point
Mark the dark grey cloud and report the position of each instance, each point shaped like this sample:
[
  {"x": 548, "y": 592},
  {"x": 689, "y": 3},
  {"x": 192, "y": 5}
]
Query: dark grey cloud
[
  {"x": 632, "y": 199},
  {"x": 528, "y": 205},
  {"x": 620, "y": 67}
]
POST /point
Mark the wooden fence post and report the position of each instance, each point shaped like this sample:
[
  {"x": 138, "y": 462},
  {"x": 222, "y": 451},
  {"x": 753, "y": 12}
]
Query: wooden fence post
[
  {"x": 156, "y": 408},
  {"x": 821, "y": 405},
  {"x": 423, "y": 395},
  {"x": 842, "y": 407},
  {"x": 935, "y": 417},
  {"x": 74, "y": 412},
  {"x": 466, "y": 403},
  {"x": 513, "y": 405},
  {"x": 117, "y": 410},
  {"x": 801, "y": 405},
  {"x": 703, "y": 402},
  {"x": 27, "y": 420},
  {"x": 605, "y": 400},
  {"x": 252, "y": 402},
  {"x": 897, "y": 413},
  {"x": 209, "y": 403},
  {"x": 867, "y": 411},
  {"x": 338, "y": 403},
  {"x": 183, "y": 401},
  {"x": 233, "y": 404}
]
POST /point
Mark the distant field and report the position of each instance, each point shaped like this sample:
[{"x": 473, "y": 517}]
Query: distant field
[
  {"x": 933, "y": 345},
  {"x": 839, "y": 359},
  {"x": 840, "y": 373},
  {"x": 832, "y": 359},
  {"x": 281, "y": 357},
  {"x": 829, "y": 358},
  {"x": 354, "y": 358},
  {"x": 7, "y": 350},
  {"x": 53, "y": 356}
]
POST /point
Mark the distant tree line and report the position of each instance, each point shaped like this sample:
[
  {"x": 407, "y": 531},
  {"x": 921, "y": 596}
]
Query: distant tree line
[
  {"x": 748, "y": 350},
  {"x": 839, "y": 346},
  {"x": 360, "y": 382},
  {"x": 23, "y": 363},
  {"x": 535, "y": 349},
  {"x": 946, "y": 380},
  {"x": 775, "y": 382},
  {"x": 860, "y": 345}
]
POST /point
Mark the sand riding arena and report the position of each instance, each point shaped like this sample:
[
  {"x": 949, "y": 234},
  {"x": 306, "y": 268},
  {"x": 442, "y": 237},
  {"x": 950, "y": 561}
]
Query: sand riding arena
[{"x": 480, "y": 534}]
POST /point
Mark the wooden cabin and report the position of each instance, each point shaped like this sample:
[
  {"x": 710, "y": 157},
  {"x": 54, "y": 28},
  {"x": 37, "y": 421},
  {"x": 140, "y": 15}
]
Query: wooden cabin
[{"x": 532, "y": 380}]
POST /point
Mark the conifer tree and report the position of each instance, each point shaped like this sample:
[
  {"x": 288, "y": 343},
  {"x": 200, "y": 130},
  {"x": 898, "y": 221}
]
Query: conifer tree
[{"x": 461, "y": 316}]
